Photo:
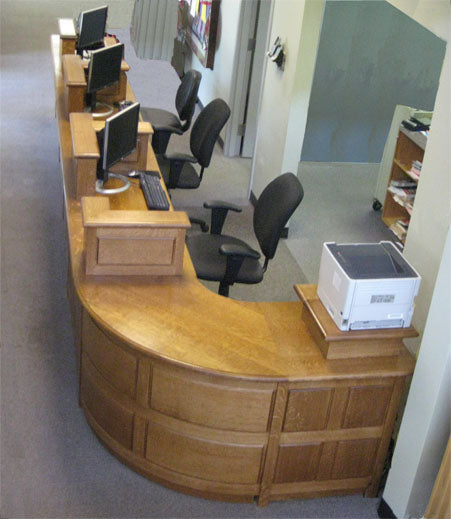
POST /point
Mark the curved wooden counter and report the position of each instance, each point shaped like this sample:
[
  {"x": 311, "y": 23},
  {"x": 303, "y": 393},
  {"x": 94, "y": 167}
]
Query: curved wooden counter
[{"x": 221, "y": 398}]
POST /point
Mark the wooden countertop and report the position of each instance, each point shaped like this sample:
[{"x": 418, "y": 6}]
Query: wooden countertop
[{"x": 178, "y": 319}]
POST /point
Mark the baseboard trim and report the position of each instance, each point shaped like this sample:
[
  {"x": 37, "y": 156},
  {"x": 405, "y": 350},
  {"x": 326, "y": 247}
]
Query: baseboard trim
[
  {"x": 384, "y": 511},
  {"x": 253, "y": 200}
]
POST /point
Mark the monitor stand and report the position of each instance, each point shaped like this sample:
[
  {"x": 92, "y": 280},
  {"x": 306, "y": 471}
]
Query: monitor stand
[
  {"x": 92, "y": 105},
  {"x": 114, "y": 190}
]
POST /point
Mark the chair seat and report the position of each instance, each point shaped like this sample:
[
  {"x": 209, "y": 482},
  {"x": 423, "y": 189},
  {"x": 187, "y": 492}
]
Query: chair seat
[
  {"x": 210, "y": 264},
  {"x": 189, "y": 178},
  {"x": 160, "y": 118}
]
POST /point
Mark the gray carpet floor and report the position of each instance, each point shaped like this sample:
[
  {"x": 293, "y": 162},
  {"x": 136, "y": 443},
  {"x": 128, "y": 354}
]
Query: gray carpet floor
[
  {"x": 337, "y": 207},
  {"x": 52, "y": 465}
]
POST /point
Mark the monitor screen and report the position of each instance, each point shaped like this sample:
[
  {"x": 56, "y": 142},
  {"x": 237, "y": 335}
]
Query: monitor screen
[
  {"x": 119, "y": 138},
  {"x": 91, "y": 27},
  {"x": 105, "y": 67}
]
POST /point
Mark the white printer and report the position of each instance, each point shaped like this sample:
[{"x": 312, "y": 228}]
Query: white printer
[{"x": 367, "y": 285}]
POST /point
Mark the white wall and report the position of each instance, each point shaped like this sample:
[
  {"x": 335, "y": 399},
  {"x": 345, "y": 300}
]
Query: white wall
[
  {"x": 425, "y": 425},
  {"x": 431, "y": 217},
  {"x": 286, "y": 93}
]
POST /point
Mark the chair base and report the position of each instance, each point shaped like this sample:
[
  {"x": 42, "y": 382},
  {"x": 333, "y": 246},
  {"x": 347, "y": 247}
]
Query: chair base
[{"x": 223, "y": 290}]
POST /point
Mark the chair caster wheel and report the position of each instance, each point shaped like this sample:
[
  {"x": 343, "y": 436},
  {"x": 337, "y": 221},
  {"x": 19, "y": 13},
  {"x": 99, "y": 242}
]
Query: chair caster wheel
[{"x": 376, "y": 205}]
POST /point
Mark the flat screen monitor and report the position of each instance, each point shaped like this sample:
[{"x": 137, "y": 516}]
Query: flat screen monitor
[
  {"x": 91, "y": 28},
  {"x": 118, "y": 140},
  {"x": 104, "y": 70},
  {"x": 105, "y": 67}
]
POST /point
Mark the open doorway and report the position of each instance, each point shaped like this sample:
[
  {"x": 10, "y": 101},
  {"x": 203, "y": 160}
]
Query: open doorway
[
  {"x": 371, "y": 58},
  {"x": 255, "y": 23}
]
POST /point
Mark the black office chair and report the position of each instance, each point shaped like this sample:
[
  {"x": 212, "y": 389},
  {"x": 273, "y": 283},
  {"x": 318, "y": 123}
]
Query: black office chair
[
  {"x": 177, "y": 168},
  {"x": 166, "y": 123},
  {"x": 229, "y": 260}
]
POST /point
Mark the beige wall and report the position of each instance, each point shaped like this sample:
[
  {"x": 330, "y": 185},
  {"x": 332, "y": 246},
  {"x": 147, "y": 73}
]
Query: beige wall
[{"x": 286, "y": 93}]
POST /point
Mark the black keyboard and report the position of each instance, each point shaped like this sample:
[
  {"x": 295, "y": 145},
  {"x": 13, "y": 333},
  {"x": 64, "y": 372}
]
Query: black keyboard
[{"x": 153, "y": 191}]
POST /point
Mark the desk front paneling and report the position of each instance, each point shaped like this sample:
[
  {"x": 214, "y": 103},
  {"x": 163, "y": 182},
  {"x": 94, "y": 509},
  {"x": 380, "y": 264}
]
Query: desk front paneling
[
  {"x": 236, "y": 437},
  {"x": 206, "y": 428},
  {"x": 224, "y": 399}
]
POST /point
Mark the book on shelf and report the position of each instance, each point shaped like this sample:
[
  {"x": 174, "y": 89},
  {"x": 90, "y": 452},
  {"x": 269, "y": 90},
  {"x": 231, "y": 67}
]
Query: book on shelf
[
  {"x": 407, "y": 204},
  {"x": 415, "y": 170},
  {"x": 404, "y": 183},
  {"x": 407, "y": 193},
  {"x": 400, "y": 229},
  {"x": 403, "y": 223}
]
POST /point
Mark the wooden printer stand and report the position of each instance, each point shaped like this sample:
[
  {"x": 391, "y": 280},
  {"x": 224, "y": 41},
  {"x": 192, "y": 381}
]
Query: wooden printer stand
[{"x": 335, "y": 344}]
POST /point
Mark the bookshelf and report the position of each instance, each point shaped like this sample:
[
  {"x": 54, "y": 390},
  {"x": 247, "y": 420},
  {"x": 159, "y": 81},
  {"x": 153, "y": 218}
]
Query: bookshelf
[{"x": 403, "y": 181}]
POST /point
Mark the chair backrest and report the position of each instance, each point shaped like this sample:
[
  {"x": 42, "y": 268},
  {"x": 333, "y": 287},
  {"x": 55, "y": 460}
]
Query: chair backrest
[
  {"x": 273, "y": 209},
  {"x": 206, "y": 129},
  {"x": 186, "y": 97}
]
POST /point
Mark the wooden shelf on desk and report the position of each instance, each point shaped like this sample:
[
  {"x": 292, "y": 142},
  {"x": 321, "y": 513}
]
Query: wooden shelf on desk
[{"x": 336, "y": 344}]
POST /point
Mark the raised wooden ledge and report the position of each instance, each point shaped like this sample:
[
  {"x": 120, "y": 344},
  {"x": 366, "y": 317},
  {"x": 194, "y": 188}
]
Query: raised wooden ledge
[
  {"x": 84, "y": 140},
  {"x": 74, "y": 74},
  {"x": 96, "y": 212}
]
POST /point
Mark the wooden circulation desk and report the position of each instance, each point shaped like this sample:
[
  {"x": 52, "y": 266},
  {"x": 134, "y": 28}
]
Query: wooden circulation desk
[{"x": 214, "y": 397}]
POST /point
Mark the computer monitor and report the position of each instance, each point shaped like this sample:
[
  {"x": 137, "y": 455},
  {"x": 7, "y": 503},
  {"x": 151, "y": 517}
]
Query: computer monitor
[
  {"x": 91, "y": 26},
  {"x": 116, "y": 141},
  {"x": 104, "y": 70}
]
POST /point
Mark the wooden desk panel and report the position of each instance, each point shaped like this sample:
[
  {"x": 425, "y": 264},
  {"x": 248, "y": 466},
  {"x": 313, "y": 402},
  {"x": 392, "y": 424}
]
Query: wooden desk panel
[{"x": 238, "y": 394}]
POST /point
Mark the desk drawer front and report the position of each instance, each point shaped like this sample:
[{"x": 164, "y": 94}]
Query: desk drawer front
[
  {"x": 201, "y": 458},
  {"x": 211, "y": 404}
]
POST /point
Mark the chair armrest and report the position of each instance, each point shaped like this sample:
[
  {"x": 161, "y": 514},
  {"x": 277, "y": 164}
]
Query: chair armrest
[
  {"x": 169, "y": 129},
  {"x": 219, "y": 210},
  {"x": 233, "y": 249},
  {"x": 236, "y": 254},
  {"x": 182, "y": 157},
  {"x": 212, "y": 204}
]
